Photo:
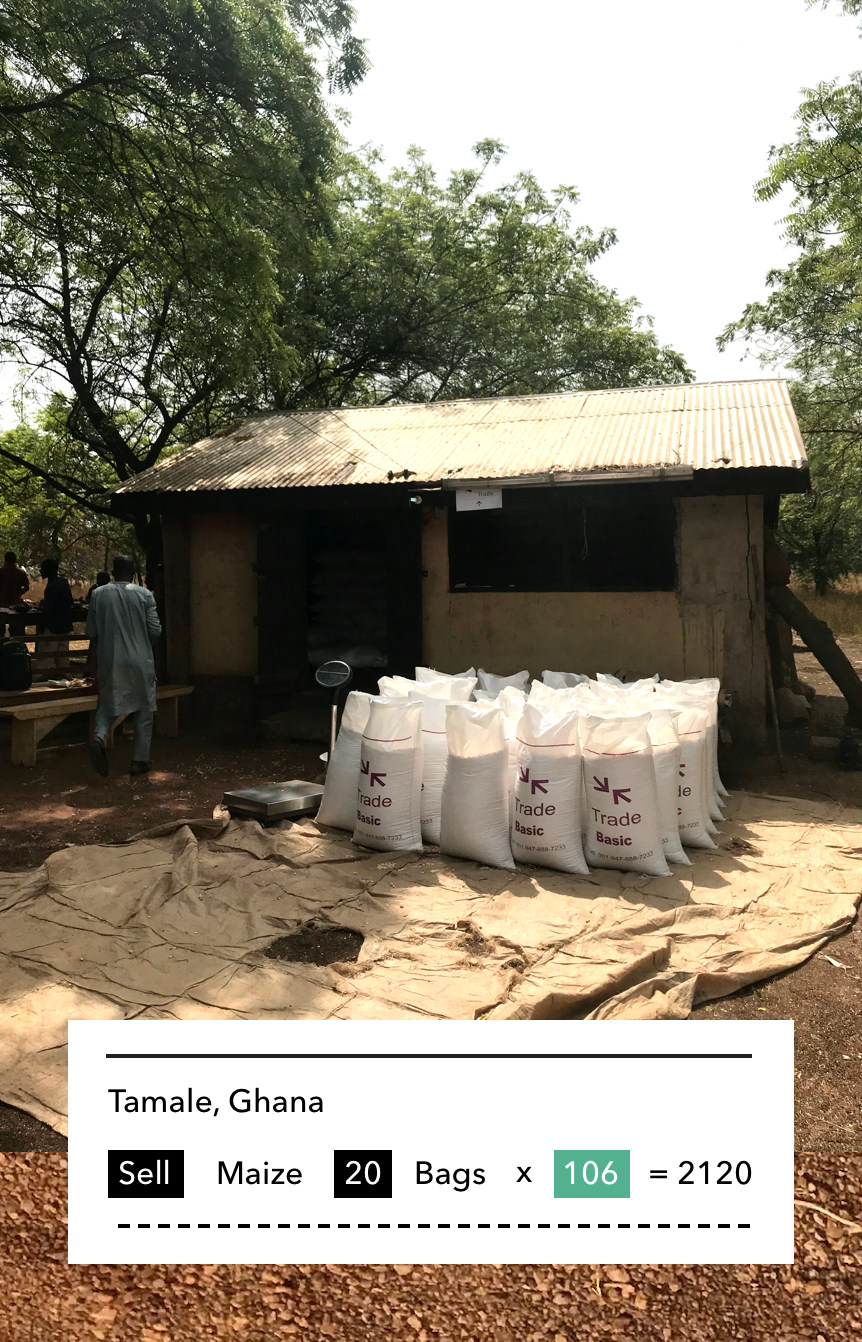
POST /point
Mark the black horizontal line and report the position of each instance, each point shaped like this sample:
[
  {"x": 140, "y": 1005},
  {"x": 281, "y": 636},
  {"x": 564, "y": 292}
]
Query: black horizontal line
[
  {"x": 427, "y": 1057},
  {"x": 441, "y": 1225}
]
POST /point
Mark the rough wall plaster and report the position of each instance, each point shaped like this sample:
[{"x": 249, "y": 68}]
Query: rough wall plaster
[{"x": 223, "y": 588}]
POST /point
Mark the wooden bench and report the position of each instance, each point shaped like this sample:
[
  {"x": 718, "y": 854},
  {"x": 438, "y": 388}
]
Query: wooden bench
[
  {"x": 32, "y": 721},
  {"x": 38, "y": 694}
]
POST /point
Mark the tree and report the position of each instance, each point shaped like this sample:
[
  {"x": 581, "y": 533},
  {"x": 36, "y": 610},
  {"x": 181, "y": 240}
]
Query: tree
[
  {"x": 821, "y": 532},
  {"x": 38, "y": 521},
  {"x": 425, "y": 291},
  {"x": 184, "y": 239},
  {"x": 163, "y": 173},
  {"x": 812, "y": 323}
]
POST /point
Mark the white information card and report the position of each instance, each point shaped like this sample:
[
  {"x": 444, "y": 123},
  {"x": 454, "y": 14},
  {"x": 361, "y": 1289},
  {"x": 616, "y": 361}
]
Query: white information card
[{"x": 432, "y": 1142}]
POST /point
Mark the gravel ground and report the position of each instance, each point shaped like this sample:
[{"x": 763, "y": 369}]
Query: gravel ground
[{"x": 818, "y": 1298}]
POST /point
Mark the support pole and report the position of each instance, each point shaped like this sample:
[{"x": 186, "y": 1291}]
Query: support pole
[{"x": 818, "y": 637}]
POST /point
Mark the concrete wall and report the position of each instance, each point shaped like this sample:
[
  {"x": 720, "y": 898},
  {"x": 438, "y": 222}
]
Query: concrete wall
[
  {"x": 222, "y": 549},
  {"x": 722, "y": 602},
  {"x": 633, "y": 632},
  {"x": 712, "y": 624},
  {"x": 175, "y": 548}
]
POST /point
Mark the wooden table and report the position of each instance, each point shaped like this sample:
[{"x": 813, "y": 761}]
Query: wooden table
[{"x": 33, "y": 720}]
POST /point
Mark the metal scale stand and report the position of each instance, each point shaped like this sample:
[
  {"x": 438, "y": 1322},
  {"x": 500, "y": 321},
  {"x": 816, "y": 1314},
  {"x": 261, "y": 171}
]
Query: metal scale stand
[{"x": 291, "y": 800}]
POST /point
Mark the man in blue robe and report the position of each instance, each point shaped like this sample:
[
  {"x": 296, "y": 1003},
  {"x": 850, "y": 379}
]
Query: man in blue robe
[{"x": 122, "y": 625}]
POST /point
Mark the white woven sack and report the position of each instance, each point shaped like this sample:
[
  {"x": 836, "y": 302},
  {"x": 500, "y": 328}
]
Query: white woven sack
[
  {"x": 710, "y": 686},
  {"x": 700, "y": 693},
  {"x": 474, "y": 813},
  {"x": 457, "y": 688},
  {"x": 629, "y": 686},
  {"x": 664, "y": 739},
  {"x": 692, "y": 817},
  {"x": 388, "y": 809},
  {"x": 434, "y": 758},
  {"x": 338, "y": 805},
  {"x": 555, "y": 702},
  {"x": 495, "y": 684},
  {"x": 424, "y": 673},
  {"x": 388, "y": 687},
  {"x": 622, "y": 829},
  {"x": 562, "y": 680},
  {"x": 548, "y": 802},
  {"x": 512, "y": 700}
]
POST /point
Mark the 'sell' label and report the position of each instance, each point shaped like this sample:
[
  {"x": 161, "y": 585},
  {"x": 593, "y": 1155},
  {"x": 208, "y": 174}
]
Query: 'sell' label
[{"x": 146, "y": 1174}]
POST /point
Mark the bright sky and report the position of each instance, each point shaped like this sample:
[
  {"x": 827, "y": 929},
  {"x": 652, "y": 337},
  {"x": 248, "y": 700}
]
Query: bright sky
[{"x": 660, "y": 112}]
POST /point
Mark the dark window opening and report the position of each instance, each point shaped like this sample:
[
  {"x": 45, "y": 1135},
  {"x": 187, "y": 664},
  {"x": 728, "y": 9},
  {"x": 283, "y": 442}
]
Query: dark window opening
[
  {"x": 347, "y": 589},
  {"x": 558, "y": 541}
]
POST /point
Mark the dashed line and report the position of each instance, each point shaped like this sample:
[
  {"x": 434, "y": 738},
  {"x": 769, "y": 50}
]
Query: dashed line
[{"x": 440, "y": 1225}]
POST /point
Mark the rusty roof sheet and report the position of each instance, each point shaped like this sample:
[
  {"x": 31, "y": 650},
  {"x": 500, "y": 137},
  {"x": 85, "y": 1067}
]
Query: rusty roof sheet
[{"x": 705, "y": 425}]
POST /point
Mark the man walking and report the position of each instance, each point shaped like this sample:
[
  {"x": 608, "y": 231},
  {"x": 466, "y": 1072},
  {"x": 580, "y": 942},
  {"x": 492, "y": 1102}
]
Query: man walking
[{"x": 122, "y": 625}]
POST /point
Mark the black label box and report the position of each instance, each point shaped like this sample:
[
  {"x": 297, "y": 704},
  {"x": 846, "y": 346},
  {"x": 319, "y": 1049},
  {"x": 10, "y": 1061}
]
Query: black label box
[
  {"x": 146, "y": 1174},
  {"x": 363, "y": 1174}
]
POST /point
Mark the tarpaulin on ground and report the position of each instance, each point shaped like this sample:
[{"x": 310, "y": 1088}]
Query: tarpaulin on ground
[{"x": 174, "y": 924}]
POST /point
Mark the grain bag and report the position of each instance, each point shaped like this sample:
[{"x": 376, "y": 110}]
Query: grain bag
[
  {"x": 338, "y": 805},
  {"x": 548, "y": 798},
  {"x": 692, "y": 817},
  {"x": 706, "y": 697},
  {"x": 710, "y": 687},
  {"x": 551, "y": 700},
  {"x": 457, "y": 688},
  {"x": 434, "y": 758},
  {"x": 390, "y": 689},
  {"x": 424, "y": 673},
  {"x": 664, "y": 739},
  {"x": 627, "y": 686},
  {"x": 474, "y": 813},
  {"x": 562, "y": 680},
  {"x": 622, "y": 829},
  {"x": 494, "y": 684},
  {"x": 388, "y": 809}
]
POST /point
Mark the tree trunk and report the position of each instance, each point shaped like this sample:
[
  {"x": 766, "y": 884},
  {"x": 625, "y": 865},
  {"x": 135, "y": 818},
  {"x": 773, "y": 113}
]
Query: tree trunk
[{"x": 819, "y": 638}]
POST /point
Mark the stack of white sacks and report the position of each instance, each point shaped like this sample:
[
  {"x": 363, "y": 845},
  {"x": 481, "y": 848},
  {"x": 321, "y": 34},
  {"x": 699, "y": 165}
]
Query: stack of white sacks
[{"x": 568, "y": 772}]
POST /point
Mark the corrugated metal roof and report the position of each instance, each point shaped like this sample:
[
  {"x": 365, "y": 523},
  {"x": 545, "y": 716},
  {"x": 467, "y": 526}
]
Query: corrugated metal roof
[{"x": 705, "y": 425}]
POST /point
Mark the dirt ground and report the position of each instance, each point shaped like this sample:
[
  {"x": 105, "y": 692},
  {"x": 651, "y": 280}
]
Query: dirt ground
[
  {"x": 62, "y": 801},
  {"x": 816, "y": 1298}
]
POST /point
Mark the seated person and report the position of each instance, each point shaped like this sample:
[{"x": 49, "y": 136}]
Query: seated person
[
  {"x": 101, "y": 579},
  {"x": 55, "y": 621},
  {"x": 13, "y": 580}
]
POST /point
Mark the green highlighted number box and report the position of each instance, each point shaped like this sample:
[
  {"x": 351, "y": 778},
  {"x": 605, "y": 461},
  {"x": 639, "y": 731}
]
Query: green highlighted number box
[{"x": 591, "y": 1174}]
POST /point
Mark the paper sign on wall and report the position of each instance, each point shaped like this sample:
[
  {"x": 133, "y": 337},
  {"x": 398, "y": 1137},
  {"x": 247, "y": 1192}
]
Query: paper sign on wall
[{"x": 477, "y": 500}]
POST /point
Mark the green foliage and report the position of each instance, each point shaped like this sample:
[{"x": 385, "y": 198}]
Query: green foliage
[
  {"x": 38, "y": 520},
  {"x": 162, "y": 174},
  {"x": 811, "y": 322},
  {"x": 426, "y": 290},
  {"x": 821, "y": 532},
  {"x": 183, "y": 239}
]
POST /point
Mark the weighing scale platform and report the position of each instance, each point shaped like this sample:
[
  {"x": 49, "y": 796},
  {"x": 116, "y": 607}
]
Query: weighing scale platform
[{"x": 275, "y": 801}]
